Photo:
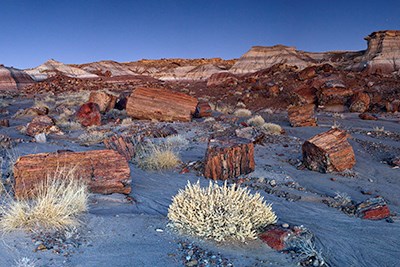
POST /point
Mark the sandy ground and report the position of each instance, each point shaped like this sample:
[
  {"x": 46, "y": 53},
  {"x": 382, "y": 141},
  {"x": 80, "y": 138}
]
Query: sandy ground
[{"x": 117, "y": 232}]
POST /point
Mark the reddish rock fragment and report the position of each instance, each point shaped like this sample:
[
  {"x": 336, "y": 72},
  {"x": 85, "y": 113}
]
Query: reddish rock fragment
[
  {"x": 203, "y": 110},
  {"x": 105, "y": 100},
  {"x": 105, "y": 171},
  {"x": 302, "y": 116},
  {"x": 366, "y": 116},
  {"x": 393, "y": 106},
  {"x": 160, "y": 104},
  {"x": 89, "y": 114},
  {"x": 307, "y": 73},
  {"x": 228, "y": 158},
  {"x": 276, "y": 237},
  {"x": 328, "y": 152},
  {"x": 40, "y": 124},
  {"x": 373, "y": 209}
]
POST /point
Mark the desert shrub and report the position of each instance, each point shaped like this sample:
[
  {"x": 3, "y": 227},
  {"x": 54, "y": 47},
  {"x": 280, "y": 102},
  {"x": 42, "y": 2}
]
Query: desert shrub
[
  {"x": 151, "y": 156},
  {"x": 256, "y": 121},
  {"x": 271, "y": 128},
  {"x": 220, "y": 212},
  {"x": 57, "y": 203},
  {"x": 242, "y": 112},
  {"x": 69, "y": 125},
  {"x": 92, "y": 137},
  {"x": 176, "y": 142}
]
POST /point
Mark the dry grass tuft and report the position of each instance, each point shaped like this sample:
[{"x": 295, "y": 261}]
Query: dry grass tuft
[
  {"x": 25, "y": 262},
  {"x": 271, "y": 128},
  {"x": 256, "y": 121},
  {"x": 242, "y": 112},
  {"x": 220, "y": 212},
  {"x": 57, "y": 203},
  {"x": 92, "y": 137},
  {"x": 157, "y": 157}
]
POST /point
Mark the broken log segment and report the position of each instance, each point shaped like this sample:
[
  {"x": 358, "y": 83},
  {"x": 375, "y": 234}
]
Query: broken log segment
[
  {"x": 160, "y": 104},
  {"x": 229, "y": 157},
  {"x": 105, "y": 171},
  {"x": 328, "y": 152},
  {"x": 302, "y": 115}
]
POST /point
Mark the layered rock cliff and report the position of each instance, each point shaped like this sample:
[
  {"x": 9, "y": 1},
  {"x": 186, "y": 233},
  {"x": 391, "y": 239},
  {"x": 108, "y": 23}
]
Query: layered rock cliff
[{"x": 13, "y": 79}]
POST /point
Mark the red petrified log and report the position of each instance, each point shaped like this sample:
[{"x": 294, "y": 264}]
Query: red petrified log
[
  {"x": 160, "y": 104},
  {"x": 301, "y": 116},
  {"x": 373, "y": 209},
  {"x": 328, "y": 152},
  {"x": 105, "y": 171},
  {"x": 89, "y": 114},
  {"x": 229, "y": 157}
]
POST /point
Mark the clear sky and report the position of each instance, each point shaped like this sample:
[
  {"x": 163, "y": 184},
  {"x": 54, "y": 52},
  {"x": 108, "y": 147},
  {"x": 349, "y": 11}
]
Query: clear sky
[{"x": 71, "y": 31}]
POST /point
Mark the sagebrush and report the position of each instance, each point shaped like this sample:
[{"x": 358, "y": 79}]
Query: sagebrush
[{"x": 220, "y": 212}]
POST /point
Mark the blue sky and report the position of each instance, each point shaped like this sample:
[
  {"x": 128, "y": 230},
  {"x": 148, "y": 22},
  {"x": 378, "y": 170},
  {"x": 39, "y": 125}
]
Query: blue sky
[{"x": 86, "y": 31}]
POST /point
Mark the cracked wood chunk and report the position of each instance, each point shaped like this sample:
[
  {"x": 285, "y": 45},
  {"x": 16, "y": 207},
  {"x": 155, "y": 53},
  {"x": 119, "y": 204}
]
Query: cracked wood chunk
[
  {"x": 328, "y": 152},
  {"x": 229, "y": 157},
  {"x": 105, "y": 171}
]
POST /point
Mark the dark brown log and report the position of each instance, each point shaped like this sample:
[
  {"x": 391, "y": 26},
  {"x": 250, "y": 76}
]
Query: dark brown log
[
  {"x": 122, "y": 144},
  {"x": 302, "y": 115},
  {"x": 160, "y": 104},
  {"x": 229, "y": 157},
  {"x": 105, "y": 171},
  {"x": 328, "y": 152}
]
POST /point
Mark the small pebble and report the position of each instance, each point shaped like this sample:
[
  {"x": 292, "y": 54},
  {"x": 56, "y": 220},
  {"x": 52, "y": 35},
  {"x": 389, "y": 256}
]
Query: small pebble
[
  {"x": 159, "y": 230},
  {"x": 285, "y": 225}
]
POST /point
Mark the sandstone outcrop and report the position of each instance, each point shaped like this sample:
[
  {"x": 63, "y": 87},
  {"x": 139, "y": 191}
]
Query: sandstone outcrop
[
  {"x": 89, "y": 114},
  {"x": 228, "y": 157},
  {"x": 52, "y": 67},
  {"x": 263, "y": 57},
  {"x": 105, "y": 171},
  {"x": 383, "y": 53},
  {"x": 328, "y": 152},
  {"x": 13, "y": 79},
  {"x": 160, "y": 104}
]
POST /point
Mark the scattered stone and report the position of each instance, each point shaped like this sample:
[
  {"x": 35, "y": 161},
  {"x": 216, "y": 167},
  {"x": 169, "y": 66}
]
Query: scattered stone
[
  {"x": 373, "y": 209},
  {"x": 4, "y": 123},
  {"x": 160, "y": 104},
  {"x": 228, "y": 158},
  {"x": 105, "y": 171},
  {"x": 328, "y": 152},
  {"x": 203, "y": 110},
  {"x": 193, "y": 255},
  {"x": 106, "y": 101},
  {"x": 89, "y": 114},
  {"x": 394, "y": 162},
  {"x": 393, "y": 106},
  {"x": 302, "y": 115},
  {"x": 41, "y": 124},
  {"x": 251, "y": 133},
  {"x": 367, "y": 116},
  {"x": 40, "y": 138}
]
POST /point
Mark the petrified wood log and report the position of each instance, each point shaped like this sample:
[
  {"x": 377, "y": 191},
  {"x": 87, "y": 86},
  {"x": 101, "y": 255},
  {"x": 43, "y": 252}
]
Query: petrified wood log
[
  {"x": 328, "y": 152},
  {"x": 160, "y": 104},
  {"x": 228, "y": 157},
  {"x": 302, "y": 115},
  {"x": 105, "y": 171},
  {"x": 105, "y": 100},
  {"x": 360, "y": 102},
  {"x": 122, "y": 144}
]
